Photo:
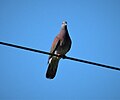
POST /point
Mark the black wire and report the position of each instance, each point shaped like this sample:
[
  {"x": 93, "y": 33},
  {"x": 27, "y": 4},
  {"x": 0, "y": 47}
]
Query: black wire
[{"x": 64, "y": 57}]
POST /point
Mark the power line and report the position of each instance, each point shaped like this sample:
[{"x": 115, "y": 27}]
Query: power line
[{"x": 64, "y": 57}]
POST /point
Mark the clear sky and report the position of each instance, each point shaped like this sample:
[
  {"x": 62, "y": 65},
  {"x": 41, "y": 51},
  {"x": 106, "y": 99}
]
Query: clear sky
[{"x": 94, "y": 26}]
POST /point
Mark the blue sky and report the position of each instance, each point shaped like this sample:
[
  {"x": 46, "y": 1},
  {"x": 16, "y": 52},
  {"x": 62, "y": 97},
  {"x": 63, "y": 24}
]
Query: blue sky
[{"x": 94, "y": 26}]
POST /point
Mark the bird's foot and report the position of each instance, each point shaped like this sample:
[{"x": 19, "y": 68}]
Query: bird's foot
[{"x": 63, "y": 56}]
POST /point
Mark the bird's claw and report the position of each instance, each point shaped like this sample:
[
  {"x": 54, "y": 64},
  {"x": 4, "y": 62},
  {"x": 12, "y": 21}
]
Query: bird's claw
[{"x": 63, "y": 56}]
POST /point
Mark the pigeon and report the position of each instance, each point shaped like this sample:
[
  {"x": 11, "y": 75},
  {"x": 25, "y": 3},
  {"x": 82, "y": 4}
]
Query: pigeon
[{"x": 60, "y": 46}]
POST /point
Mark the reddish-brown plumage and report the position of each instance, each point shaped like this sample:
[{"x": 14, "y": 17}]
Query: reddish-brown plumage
[{"x": 61, "y": 45}]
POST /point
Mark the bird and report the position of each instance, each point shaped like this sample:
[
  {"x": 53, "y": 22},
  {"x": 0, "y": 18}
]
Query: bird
[{"x": 60, "y": 46}]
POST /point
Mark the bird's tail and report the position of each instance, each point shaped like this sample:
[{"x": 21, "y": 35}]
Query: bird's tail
[{"x": 52, "y": 67}]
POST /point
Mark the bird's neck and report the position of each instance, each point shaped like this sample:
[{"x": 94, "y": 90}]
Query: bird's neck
[
  {"x": 63, "y": 31},
  {"x": 64, "y": 28}
]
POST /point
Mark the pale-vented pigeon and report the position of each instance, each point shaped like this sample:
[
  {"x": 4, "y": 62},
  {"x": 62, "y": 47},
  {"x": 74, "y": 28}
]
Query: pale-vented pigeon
[{"x": 60, "y": 46}]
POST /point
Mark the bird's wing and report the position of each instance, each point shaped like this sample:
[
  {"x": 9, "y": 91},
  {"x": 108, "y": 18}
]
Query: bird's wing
[{"x": 55, "y": 45}]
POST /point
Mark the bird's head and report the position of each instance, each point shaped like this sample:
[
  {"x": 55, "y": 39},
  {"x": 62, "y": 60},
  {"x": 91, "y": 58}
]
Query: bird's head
[{"x": 64, "y": 23}]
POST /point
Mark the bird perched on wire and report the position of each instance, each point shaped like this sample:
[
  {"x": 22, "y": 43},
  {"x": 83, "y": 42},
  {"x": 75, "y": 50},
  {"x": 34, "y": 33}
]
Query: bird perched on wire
[{"x": 60, "y": 46}]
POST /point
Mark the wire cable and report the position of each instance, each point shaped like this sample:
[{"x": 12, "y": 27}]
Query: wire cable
[{"x": 64, "y": 57}]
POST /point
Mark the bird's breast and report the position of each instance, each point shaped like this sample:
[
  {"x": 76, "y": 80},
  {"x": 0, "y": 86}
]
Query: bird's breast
[{"x": 64, "y": 46}]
